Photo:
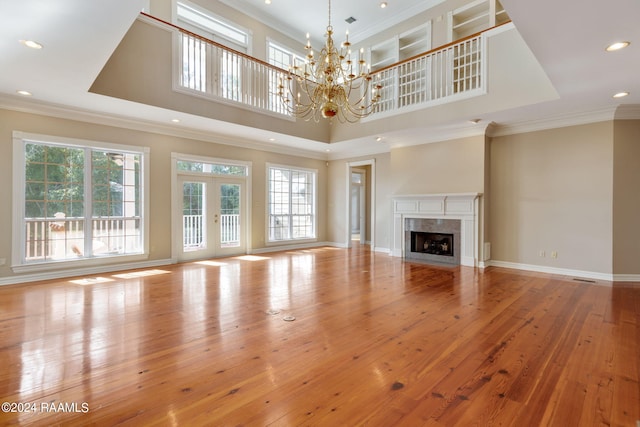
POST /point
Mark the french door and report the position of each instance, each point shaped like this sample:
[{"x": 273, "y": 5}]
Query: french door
[{"x": 213, "y": 218}]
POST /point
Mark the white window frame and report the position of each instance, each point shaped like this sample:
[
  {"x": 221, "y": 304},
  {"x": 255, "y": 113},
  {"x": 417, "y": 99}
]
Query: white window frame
[
  {"x": 210, "y": 32},
  {"x": 296, "y": 57},
  {"x": 176, "y": 208},
  {"x": 275, "y": 103},
  {"x": 314, "y": 172},
  {"x": 18, "y": 263}
]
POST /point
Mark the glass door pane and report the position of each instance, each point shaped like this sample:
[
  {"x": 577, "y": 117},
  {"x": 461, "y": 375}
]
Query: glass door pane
[
  {"x": 211, "y": 217},
  {"x": 194, "y": 233},
  {"x": 230, "y": 219}
]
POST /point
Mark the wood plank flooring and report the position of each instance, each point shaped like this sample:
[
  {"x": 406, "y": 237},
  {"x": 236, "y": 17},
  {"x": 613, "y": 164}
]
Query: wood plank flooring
[{"x": 375, "y": 341}]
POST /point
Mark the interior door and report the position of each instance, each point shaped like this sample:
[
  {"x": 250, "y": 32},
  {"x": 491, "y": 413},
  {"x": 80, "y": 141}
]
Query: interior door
[
  {"x": 358, "y": 207},
  {"x": 212, "y": 217}
]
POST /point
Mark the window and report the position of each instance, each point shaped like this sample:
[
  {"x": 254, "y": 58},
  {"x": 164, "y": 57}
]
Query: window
[
  {"x": 292, "y": 207},
  {"x": 212, "y": 168},
  {"x": 213, "y": 27},
  {"x": 77, "y": 200},
  {"x": 201, "y": 62},
  {"x": 283, "y": 58}
]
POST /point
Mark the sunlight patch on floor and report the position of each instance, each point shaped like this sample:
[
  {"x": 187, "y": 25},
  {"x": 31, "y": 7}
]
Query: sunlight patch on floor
[
  {"x": 252, "y": 258},
  {"x": 211, "y": 263},
  {"x": 91, "y": 280},
  {"x": 143, "y": 273}
]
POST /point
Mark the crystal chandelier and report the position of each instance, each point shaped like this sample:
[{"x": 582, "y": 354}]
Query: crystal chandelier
[{"x": 327, "y": 86}]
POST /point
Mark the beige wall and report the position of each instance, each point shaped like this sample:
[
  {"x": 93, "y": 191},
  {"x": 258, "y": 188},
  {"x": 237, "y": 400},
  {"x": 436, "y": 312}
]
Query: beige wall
[
  {"x": 552, "y": 191},
  {"x": 378, "y": 183},
  {"x": 626, "y": 197},
  {"x": 455, "y": 166},
  {"x": 140, "y": 70},
  {"x": 571, "y": 190},
  {"x": 160, "y": 195}
]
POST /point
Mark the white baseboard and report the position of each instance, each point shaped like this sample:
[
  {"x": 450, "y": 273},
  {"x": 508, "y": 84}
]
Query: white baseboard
[
  {"x": 26, "y": 278},
  {"x": 279, "y": 248},
  {"x": 579, "y": 274},
  {"x": 626, "y": 277}
]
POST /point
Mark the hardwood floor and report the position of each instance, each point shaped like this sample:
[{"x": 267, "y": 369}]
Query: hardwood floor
[{"x": 375, "y": 341}]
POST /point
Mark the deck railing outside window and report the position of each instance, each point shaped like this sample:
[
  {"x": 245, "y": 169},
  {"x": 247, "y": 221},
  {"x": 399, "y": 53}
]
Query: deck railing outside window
[
  {"x": 55, "y": 238},
  {"x": 193, "y": 234},
  {"x": 229, "y": 229},
  {"x": 449, "y": 73}
]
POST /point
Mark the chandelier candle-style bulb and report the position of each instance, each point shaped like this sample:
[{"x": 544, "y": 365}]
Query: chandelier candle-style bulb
[{"x": 330, "y": 86}]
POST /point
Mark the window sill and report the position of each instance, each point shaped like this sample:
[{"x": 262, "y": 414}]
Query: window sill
[
  {"x": 79, "y": 263},
  {"x": 290, "y": 241}
]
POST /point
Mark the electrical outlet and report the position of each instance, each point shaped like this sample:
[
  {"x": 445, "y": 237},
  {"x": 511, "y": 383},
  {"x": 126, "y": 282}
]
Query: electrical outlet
[
  {"x": 554, "y": 254},
  {"x": 541, "y": 254}
]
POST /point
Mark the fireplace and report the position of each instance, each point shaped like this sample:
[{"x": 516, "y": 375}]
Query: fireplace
[
  {"x": 432, "y": 243},
  {"x": 432, "y": 240},
  {"x": 454, "y": 214}
]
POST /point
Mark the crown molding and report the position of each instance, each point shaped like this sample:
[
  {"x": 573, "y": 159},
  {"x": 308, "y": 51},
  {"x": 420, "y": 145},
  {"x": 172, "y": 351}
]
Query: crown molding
[
  {"x": 360, "y": 151},
  {"x": 627, "y": 112},
  {"x": 559, "y": 121},
  {"x": 107, "y": 119},
  {"x": 445, "y": 135}
]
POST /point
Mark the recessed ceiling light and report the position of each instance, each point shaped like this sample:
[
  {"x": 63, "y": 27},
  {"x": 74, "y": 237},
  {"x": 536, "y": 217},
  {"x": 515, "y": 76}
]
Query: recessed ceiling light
[
  {"x": 378, "y": 139},
  {"x": 267, "y": 1},
  {"x": 272, "y": 139},
  {"x": 621, "y": 94},
  {"x": 383, "y": 4},
  {"x": 617, "y": 46},
  {"x": 175, "y": 120},
  {"x": 474, "y": 121},
  {"x": 24, "y": 92},
  {"x": 32, "y": 44}
]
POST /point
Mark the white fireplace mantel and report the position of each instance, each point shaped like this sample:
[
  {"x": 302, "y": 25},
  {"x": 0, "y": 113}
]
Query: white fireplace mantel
[{"x": 461, "y": 206}]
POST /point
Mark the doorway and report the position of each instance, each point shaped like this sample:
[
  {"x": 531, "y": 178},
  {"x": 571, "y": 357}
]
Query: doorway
[
  {"x": 358, "y": 205},
  {"x": 361, "y": 202},
  {"x": 212, "y": 217}
]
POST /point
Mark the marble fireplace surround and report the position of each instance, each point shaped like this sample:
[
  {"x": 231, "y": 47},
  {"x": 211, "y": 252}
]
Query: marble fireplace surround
[{"x": 460, "y": 206}]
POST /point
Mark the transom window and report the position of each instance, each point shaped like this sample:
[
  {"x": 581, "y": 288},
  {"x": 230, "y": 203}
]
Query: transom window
[
  {"x": 212, "y": 168},
  {"x": 77, "y": 201},
  {"x": 292, "y": 203},
  {"x": 212, "y": 27}
]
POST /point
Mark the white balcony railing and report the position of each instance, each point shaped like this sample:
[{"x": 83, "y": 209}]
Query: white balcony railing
[
  {"x": 451, "y": 72},
  {"x": 211, "y": 70}
]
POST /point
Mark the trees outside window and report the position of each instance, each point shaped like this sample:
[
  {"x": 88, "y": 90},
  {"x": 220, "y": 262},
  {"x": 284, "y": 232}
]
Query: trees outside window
[{"x": 79, "y": 202}]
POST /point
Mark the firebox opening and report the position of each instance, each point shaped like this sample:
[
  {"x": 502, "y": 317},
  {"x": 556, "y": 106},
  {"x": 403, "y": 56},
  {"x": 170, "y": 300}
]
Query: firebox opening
[{"x": 432, "y": 243}]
